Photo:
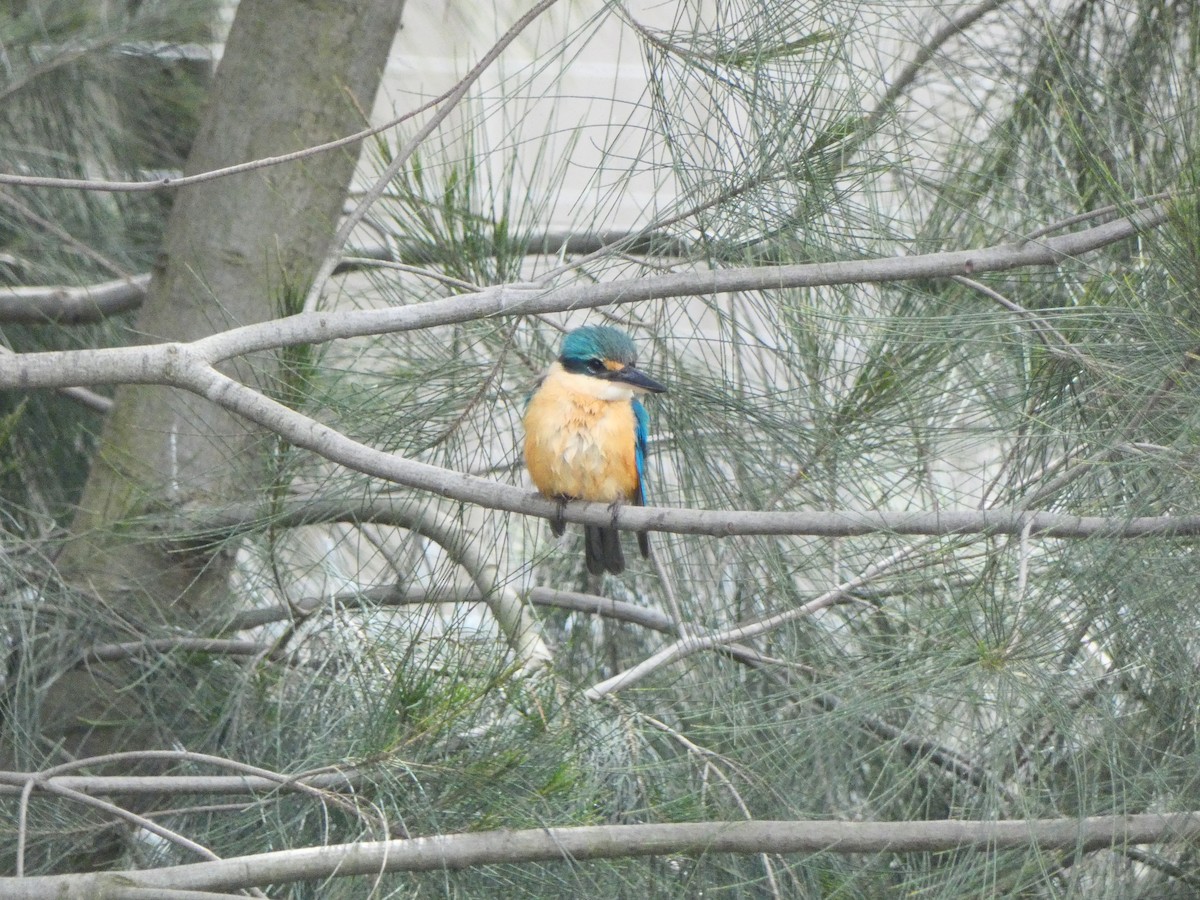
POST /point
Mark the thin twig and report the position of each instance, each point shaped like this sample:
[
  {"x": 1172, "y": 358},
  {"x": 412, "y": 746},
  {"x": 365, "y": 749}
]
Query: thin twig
[
  {"x": 1099, "y": 213},
  {"x": 1053, "y": 339},
  {"x": 63, "y": 235},
  {"x": 284, "y": 781},
  {"x": 687, "y": 646},
  {"x": 450, "y": 99},
  {"x": 22, "y": 820},
  {"x": 368, "y": 263},
  {"x": 924, "y": 54},
  {"x": 707, "y": 756},
  {"x": 91, "y": 184},
  {"x": 112, "y": 809}
]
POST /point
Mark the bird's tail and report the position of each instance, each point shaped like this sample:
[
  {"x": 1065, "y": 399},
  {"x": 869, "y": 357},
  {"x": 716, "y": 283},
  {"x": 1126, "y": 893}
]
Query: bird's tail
[{"x": 602, "y": 546}]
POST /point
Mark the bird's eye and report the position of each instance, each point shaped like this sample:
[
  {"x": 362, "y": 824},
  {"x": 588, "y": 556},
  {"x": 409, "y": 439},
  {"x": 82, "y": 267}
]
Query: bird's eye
[{"x": 596, "y": 366}]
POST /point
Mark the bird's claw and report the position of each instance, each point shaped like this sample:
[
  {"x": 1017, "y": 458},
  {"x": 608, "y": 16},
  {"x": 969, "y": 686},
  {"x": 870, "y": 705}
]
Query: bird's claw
[{"x": 559, "y": 523}]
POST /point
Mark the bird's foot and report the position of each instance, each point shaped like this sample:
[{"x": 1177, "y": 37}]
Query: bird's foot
[{"x": 559, "y": 523}]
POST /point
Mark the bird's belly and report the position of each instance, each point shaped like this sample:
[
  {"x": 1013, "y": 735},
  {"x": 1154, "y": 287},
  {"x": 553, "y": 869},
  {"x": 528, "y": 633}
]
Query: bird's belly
[{"x": 592, "y": 462}]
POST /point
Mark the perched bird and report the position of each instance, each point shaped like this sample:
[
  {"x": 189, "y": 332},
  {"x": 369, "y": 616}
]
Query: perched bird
[{"x": 586, "y": 431}]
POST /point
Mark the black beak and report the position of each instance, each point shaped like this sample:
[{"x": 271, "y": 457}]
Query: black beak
[{"x": 638, "y": 379}]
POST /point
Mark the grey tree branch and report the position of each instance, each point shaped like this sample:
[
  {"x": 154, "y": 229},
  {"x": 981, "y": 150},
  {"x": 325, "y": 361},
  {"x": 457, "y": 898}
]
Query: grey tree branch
[
  {"x": 77, "y": 305},
  {"x": 398, "y": 595},
  {"x": 63, "y": 305},
  {"x": 723, "y": 523},
  {"x": 128, "y": 785},
  {"x": 84, "y": 397},
  {"x": 154, "y": 363},
  {"x": 190, "y": 367},
  {"x": 127, "y": 649},
  {"x": 461, "y": 851}
]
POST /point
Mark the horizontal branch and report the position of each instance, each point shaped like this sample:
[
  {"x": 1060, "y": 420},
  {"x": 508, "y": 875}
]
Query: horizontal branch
[
  {"x": 156, "y": 363},
  {"x": 572, "y": 845},
  {"x": 618, "y": 610},
  {"x": 71, "y": 305},
  {"x": 400, "y": 595},
  {"x": 215, "y": 646},
  {"x": 126, "y": 785},
  {"x": 77, "y": 305},
  {"x": 383, "y": 595},
  {"x": 191, "y": 367},
  {"x": 712, "y": 522}
]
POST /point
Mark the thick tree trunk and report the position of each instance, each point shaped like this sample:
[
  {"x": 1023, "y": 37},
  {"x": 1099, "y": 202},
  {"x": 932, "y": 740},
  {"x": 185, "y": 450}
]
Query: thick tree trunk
[{"x": 239, "y": 249}]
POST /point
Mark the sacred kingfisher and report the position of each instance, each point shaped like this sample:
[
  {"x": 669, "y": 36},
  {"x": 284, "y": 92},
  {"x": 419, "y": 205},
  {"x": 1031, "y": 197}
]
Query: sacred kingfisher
[{"x": 586, "y": 432}]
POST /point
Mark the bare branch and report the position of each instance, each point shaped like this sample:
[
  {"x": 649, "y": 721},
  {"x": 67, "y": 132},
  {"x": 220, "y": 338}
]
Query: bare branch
[
  {"x": 461, "y": 851},
  {"x": 84, "y": 397},
  {"x": 385, "y": 595},
  {"x": 190, "y": 367},
  {"x": 216, "y": 646},
  {"x": 603, "y": 606},
  {"x": 72, "y": 305},
  {"x": 399, "y": 595},
  {"x": 155, "y": 363},
  {"x": 121, "y": 892},
  {"x": 135, "y": 785},
  {"x": 719, "y": 522}
]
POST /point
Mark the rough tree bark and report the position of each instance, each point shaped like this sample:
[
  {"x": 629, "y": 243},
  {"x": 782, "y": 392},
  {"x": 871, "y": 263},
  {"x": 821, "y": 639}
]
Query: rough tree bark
[{"x": 237, "y": 250}]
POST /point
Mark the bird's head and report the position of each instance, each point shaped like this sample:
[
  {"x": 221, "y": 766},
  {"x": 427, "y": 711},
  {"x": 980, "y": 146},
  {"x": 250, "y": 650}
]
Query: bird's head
[{"x": 607, "y": 355}]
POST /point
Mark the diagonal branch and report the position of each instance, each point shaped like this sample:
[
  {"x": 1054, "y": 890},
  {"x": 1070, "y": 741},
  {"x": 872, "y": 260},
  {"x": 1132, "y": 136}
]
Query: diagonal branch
[
  {"x": 86, "y": 184},
  {"x": 400, "y": 160},
  {"x": 690, "y": 644}
]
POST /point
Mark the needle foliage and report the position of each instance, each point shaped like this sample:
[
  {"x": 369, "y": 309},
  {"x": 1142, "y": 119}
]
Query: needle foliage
[{"x": 960, "y": 677}]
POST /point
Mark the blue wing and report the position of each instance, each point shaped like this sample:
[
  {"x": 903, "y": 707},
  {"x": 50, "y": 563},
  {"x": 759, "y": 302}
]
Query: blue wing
[{"x": 642, "y": 432}]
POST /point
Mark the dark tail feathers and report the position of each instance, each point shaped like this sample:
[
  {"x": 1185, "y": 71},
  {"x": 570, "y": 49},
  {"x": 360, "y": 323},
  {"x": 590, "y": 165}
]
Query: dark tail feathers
[
  {"x": 603, "y": 550},
  {"x": 602, "y": 546}
]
